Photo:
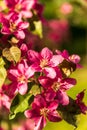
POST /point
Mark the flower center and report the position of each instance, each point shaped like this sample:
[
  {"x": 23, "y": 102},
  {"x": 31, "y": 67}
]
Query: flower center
[
  {"x": 43, "y": 63},
  {"x": 18, "y": 7},
  {"x": 12, "y": 27},
  {"x": 56, "y": 86},
  {"x": 44, "y": 111},
  {"x": 22, "y": 79}
]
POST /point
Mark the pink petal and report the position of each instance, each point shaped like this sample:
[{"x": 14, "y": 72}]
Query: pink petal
[
  {"x": 21, "y": 68},
  {"x": 75, "y": 58},
  {"x": 33, "y": 113},
  {"x": 54, "y": 116},
  {"x": 53, "y": 105},
  {"x": 33, "y": 56},
  {"x": 22, "y": 88},
  {"x": 13, "y": 73},
  {"x": 29, "y": 72},
  {"x": 50, "y": 95},
  {"x": 40, "y": 123},
  {"x": 23, "y": 25},
  {"x": 56, "y": 60},
  {"x": 39, "y": 101},
  {"x": 5, "y": 30},
  {"x": 62, "y": 98},
  {"x": 19, "y": 34},
  {"x": 45, "y": 81},
  {"x": 68, "y": 83},
  {"x": 27, "y": 14},
  {"x": 46, "y": 53},
  {"x": 50, "y": 72}
]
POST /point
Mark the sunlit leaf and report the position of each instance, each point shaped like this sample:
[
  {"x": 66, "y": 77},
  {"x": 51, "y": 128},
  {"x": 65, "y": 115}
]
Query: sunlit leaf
[
  {"x": 3, "y": 75},
  {"x": 12, "y": 54},
  {"x": 16, "y": 53},
  {"x": 6, "y": 53},
  {"x": 38, "y": 28},
  {"x": 2, "y": 63},
  {"x": 35, "y": 90},
  {"x": 19, "y": 104}
]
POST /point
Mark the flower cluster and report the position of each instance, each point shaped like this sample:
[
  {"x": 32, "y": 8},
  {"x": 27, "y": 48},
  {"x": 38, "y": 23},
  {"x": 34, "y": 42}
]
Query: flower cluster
[
  {"x": 53, "y": 82},
  {"x": 31, "y": 82}
]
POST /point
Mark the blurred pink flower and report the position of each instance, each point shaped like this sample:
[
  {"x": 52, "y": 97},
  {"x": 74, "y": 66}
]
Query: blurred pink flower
[
  {"x": 66, "y": 8},
  {"x": 4, "y": 100},
  {"x": 58, "y": 30}
]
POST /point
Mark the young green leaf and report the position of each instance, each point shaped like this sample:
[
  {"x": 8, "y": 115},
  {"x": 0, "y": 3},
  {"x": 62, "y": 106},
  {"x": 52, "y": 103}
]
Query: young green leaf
[
  {"x": 12, "y": 54},
  {"x": 38, "y": 28},
  {"x": 19, "y": 104},
  {"x": 2, "y": 63},
  {"x": 16, "y": 53},
  {"x": 3, "y": 75}
]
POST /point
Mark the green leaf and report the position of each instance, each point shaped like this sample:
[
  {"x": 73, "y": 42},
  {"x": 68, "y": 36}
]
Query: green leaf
[
  {"x": 2, "y": 63},
  {"x": 19, "y": 104},
  {"x": 35, "y": 90},
  {"x": 6, "y": 53},
  {"x": 38, "y": 28},
  {"x": 3, "y": 75},
  {"x": 16, "y": 53},
  {"x": 69, "y": 113},
  {"x": 12, "y": 54}
]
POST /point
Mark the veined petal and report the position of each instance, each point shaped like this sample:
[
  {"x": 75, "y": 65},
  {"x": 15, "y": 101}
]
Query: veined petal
[
  {"x": 21, "y": 68},
  {"x": 54, "y": 116},
  {"x": 5, "y": 30},
  {"x": 62, "y": 97},
  {"x": 68, "y": 83},
  {"x": 33, "y": 113},
  {"x": 23, "y": 25},
  {"x": 27, "y": 14},
  {"x": 22, "y": 88},
  {"x": 13, "y": 73},
  {"x": 40, "y": 123},
  {"x": 39, "y": 101},
  {"x": 19, "y": 34},
  {"x": 56, "y": 60},
  {"x": 29, "y": 72},
  {"x": 50, "y": 72},
  {"x": 33, "y": 56},
  {"x": 46, "y": 53},
  {"x": 53, "y": 105},
  {"x": 45, "y": 81}
]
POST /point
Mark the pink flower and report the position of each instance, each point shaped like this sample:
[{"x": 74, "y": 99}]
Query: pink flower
[
  {"x": 27, "y": 124},
  {"x": 80, "y": 103},
  {"x": 44, "y": 61},
  {"x": 66, "y": 8},
  {"x": 42, "y": 110},
  {"x": 58, "y": 30},
  {"x": 20, "y": 75},
  {"x": 13, "y": 25},
  {"x": 57, "y": 87},
  {"x": 21, "y": 6},
  {"x": 4, "y": 100},
  {"x": 1, "y": 128},
  {"x": 71, "y": 58}
]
